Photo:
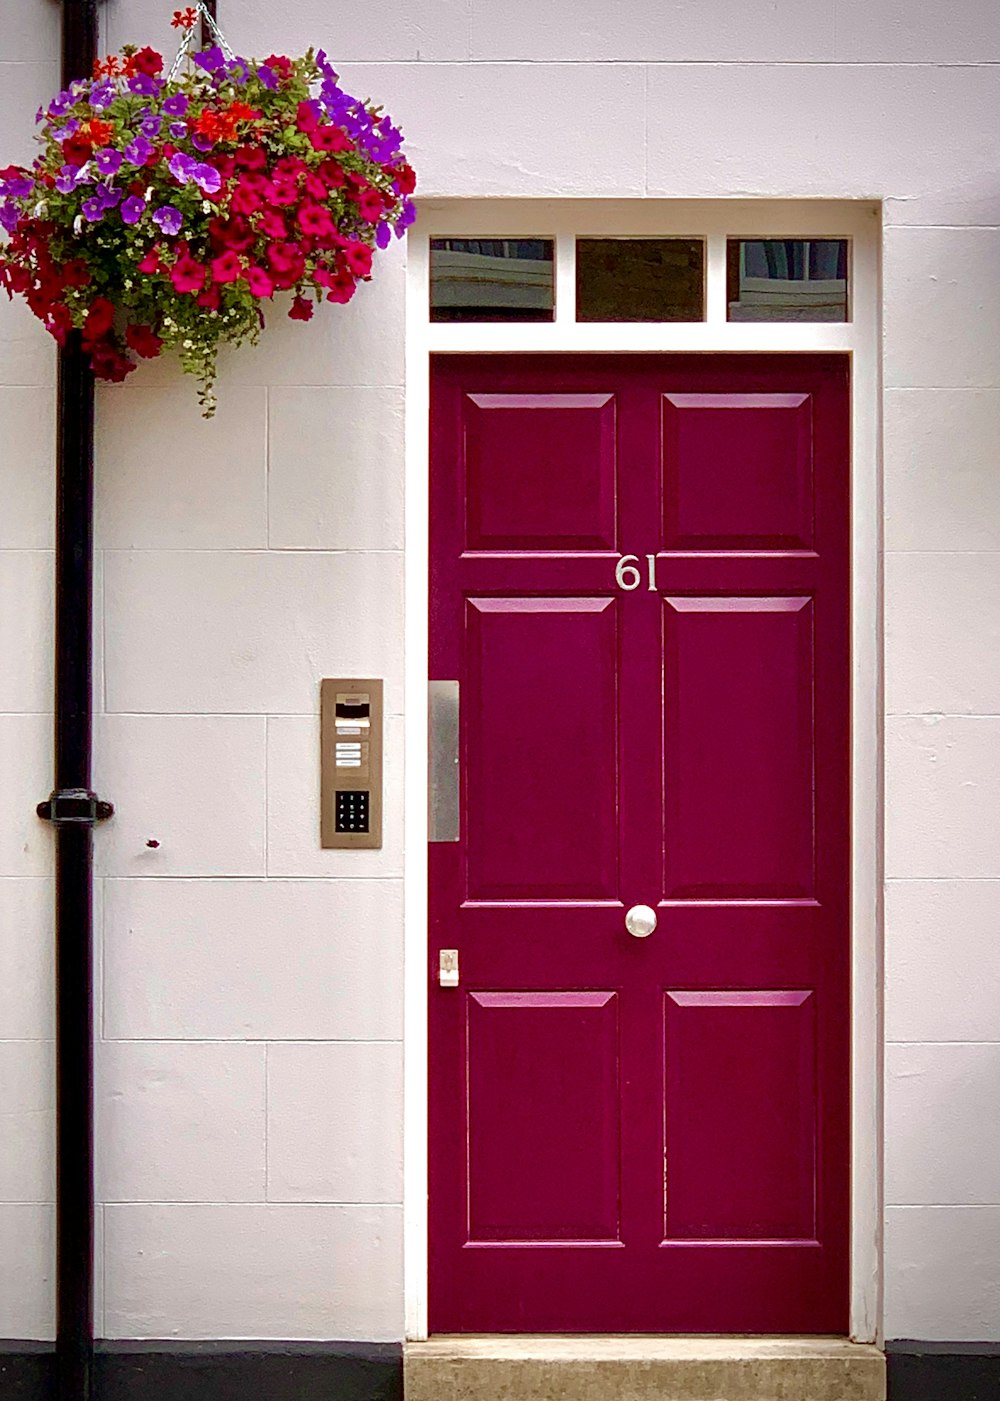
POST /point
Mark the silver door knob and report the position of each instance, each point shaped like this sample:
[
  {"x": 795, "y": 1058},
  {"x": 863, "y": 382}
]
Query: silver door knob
[{"x": 640, "y": 921}]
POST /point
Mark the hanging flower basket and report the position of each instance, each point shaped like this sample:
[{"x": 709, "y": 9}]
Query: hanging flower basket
[{"x": 167, "y": 212}]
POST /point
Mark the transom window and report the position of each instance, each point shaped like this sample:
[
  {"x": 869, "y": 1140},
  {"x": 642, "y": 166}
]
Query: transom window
[{"x": 636, "y": 279}]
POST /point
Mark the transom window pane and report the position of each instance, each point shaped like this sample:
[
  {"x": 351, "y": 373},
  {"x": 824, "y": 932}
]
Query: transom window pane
[
  {"x": 492, "y": 279},
  {"x": 640, "y": 279},
  {"x": 787, "y": 279}
]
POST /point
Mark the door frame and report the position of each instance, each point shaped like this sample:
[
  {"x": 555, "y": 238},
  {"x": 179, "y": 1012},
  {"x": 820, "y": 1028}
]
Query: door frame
[{"x": 714, "y": 221}]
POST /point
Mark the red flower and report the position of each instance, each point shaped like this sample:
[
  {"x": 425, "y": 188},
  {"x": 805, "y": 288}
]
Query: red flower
[
  {"x": 99, "y": 131},
  {"x": 151, "y": 262},
  {"x": 282, "y": 192},
  {"x": 314, "y": 186},
  {"x": 236, "y": 235},
  {"x": 330, "y": 138},
  {"x": 272, "y": 224},
  {"x": 240, "y": 112},
  {"x": 100, "y": 319},
  {"x": 58, "y": 322},
  {"x": 314, "y": 220},
  {"x": 226, "y": 267},
  {"x": 370, "y": 206},
  {"x": 211, "y": 297},
  {"x": 146, "y": 61},
  {"x": 184, "y": 19},
  {"x": 187, "y": 275},
  {"x": 259, "y": 283},
  {"x": 342, "y": 290},
  {"x": 405, "y": 178},
  {"x": 109, "y": 363},
  {"x": 287, "y": 262},
  {"x": 359, "y": 258},
  {"x": 306, "y": 118},
  {"x": 244, "y": 200},
  {"x": 251, "y": 158},
  {"x": 144, "y": 341},
  {"x": 281, "y": 65},
  {"x": 332, "y": 174},
  {"x": 77, "y": 150},
  {"x": 75, "y": 273},
  {"x": 301, "y": 310}
]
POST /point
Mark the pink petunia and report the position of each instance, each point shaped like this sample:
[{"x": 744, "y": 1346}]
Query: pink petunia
[
  {"x": 226, "y": 267},
  {"x": 359, "y": 258},
  {"x": 330, "y": 138},
  {"x": 187, "y": 275},
  {"x": 259, "y": 283},
  {"x": 314, "y": 220}
]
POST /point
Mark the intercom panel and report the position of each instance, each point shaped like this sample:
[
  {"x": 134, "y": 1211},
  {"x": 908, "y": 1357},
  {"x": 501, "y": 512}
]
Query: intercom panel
[{"x": 351, "y": 762}]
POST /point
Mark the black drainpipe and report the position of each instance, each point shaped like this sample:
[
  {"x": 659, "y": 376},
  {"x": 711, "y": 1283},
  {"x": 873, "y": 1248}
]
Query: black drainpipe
[{"x": 73, "y": 809}]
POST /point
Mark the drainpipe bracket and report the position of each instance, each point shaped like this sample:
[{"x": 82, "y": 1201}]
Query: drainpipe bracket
[{"x": 74, "y": 807}]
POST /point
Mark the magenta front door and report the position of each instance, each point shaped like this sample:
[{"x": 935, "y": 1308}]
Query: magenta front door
[{"x": 642, "y": 1133}]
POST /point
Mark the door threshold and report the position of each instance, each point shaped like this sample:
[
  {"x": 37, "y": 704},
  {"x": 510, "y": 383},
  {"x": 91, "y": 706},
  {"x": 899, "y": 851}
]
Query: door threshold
[{"x": 641, "y": 1367}]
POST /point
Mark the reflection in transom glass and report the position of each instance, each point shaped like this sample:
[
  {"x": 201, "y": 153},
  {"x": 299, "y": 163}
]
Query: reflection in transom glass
[
  {"x": 640, "y": 279},
  {"x": 492, "y": 279},
  {"x": 787, "y": 279}
]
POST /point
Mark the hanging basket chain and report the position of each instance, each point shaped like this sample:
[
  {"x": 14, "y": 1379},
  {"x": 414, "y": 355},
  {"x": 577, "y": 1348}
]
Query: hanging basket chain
[{"x": 187, "y": 42}]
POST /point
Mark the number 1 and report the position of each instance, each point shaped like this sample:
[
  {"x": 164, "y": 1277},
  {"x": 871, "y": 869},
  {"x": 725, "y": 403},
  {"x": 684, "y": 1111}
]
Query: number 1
[{"x": 651, "y": 561}]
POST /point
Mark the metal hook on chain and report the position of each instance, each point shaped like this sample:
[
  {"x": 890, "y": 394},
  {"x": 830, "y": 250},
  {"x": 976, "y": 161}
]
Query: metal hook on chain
[{"x": 187, "y": 42}]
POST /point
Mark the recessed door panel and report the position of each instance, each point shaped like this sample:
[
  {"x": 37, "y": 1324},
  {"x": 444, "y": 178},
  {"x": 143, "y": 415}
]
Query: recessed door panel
[
  {"x": 740, "y": 1117},
  {"x": 540, "y": 471},
  {"x": 540, "y": 738},
  {"x": 738, "y": 471},
  {"x": 738, "y": 748},
  {"x": 543, "y": 1116},
  {"x": 639, "y": 1118}
]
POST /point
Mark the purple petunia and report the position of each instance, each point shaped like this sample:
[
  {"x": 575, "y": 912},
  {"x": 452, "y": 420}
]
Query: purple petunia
[
  {"x": 175, "y": 105},
  {"x": 9, "y": 215},
  {"x": 61, "y": 104},
  {"x": 108, "y": 161},
  {"x": 185, "y": 169},
  {"x": 325, "y": 66},
  {"x": 181, "y": 167},
  {"x": 133, "y": 209},
  {"x": 210, "y": 60},
  {"x": 201, "y": 142},
  {"x": 108, "y": 195},
  {"x": 383, "y": 234},
  {"x": 17, "y": 187},
  {"x": 151, "y": 125},
  {"x": 168, "y": 219},
  {"x": 139, "y": 150},
  {"x": 71, "y": 176},
  {"x": 93, "y": 209},
  {"x": 268, "y": 77},
  {"x": 101, "y": 95},
  {"x": 177, "y": 130},
  {"x": 144, "y": 86}
]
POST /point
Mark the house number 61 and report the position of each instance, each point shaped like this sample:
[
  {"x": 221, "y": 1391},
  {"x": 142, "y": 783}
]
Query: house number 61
[{"x": 628, "y": 577}]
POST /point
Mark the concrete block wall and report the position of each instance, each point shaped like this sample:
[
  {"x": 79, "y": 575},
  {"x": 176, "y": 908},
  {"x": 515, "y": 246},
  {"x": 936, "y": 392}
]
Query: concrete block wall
[{"x": 250, "y": 1051}]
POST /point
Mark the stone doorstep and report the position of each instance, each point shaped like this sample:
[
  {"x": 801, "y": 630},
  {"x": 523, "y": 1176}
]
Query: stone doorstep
[{"x": 641, "y": 1368}]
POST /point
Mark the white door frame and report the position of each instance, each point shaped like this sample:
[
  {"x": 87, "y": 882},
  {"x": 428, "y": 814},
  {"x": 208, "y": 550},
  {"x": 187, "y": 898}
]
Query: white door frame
[{"x": 564, "y": 220}]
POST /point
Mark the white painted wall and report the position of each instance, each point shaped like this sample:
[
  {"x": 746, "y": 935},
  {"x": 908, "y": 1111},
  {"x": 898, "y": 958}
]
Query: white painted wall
[{"x": 250, "y": 1101}]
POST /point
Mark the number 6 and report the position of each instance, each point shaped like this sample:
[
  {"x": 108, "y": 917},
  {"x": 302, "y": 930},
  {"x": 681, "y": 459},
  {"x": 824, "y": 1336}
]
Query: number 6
[{"x": 626, "y": 573}]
